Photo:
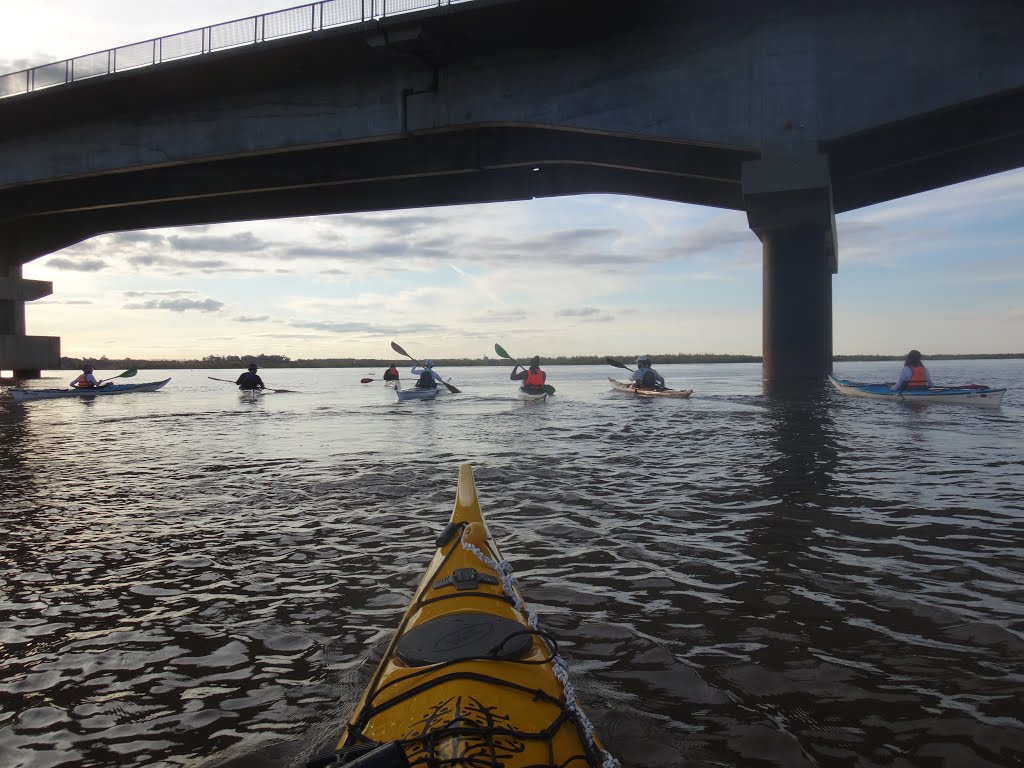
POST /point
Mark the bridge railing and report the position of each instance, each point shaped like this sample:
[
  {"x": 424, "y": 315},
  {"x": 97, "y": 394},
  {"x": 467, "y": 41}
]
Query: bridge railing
[{"x": 251, "y": 30}]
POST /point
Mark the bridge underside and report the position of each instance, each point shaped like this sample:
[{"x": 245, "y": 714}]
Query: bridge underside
[
  {"x": 438, "y": 128},
  {"x": 478, "y": 165}
]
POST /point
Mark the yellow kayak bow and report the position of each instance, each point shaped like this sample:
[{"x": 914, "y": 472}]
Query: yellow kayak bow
[{"x": 468, "y": 679}]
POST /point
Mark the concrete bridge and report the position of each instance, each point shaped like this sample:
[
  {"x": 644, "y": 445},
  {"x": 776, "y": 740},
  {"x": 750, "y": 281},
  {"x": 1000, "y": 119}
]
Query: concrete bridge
[{"x": 792, "y": 111}]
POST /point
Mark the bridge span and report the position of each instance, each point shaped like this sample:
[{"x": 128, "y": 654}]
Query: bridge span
[{"x": 792, "y": 111}]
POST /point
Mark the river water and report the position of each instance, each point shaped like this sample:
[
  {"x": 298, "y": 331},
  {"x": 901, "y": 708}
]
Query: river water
[{"x": 190, "y": 579}]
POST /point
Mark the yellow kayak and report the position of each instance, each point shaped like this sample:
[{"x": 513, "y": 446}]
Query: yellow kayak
[{"x": 468, "y": 680}]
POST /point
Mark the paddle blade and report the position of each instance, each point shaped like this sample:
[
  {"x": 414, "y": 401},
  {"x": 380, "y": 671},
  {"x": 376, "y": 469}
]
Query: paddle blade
[
  {"x": 453, "y": 390},
  {"x": 401, "y": 351},
  {"x": 617, "y": 364},
  {"x": 365, "y": 381},
  {"x": 127, "y": 374},
  {"x": 501, "y": 352},
  {"x": 549, "y": 389}
]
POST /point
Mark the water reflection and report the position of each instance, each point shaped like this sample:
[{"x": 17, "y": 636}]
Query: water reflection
[{"x": 736, "y": 579}]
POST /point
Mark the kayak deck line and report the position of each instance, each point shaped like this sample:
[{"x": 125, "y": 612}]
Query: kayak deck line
[{"x": 468, "y": 672}]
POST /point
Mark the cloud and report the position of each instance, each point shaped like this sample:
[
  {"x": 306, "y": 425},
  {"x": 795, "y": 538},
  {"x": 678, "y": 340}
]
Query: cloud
[
  {"x": 246, "y": 319},
  {"x": 239, "y": 242},
  {"x": 132, "y": 238},
  {"x": 76, "y": 265},
  {"x": 388, "y": 222},
  {"x": 586, "y": 313},
  {"x": 137, "y": 294},
  {"x": 331, "y": 326},
  {"x": 507, "y": 317},
  {"x": 179, "y": 305}
]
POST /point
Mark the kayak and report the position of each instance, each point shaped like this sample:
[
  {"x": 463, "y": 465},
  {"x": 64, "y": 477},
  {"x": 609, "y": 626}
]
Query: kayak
[
  {"x": 414, "y": 393},
  {"x": 532, "y": 395},
  {"x": 973, "y": 394},
  {"x": 469, "y": 679},
  {"x": 20, "y": 395},
  {"x": 624, "y": 387},
  {"x": 250, "y": 394}
]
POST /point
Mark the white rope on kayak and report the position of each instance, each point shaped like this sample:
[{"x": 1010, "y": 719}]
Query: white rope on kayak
[{"x": 561, "y": 668}]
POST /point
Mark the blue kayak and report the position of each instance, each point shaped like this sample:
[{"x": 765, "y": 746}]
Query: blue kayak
[{"x": 972, "y": 394}]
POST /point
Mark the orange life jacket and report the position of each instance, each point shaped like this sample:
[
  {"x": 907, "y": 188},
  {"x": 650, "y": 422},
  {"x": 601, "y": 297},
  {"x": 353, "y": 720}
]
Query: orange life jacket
[
  {"x": 534, "y": 378},
  {"x": 918, "y": 378},
  {"x": 83, "y": 383}
]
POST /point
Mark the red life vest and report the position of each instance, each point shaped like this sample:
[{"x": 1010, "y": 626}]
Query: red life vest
[
  {"x": 918, "y": 378},
  {"x": 534, "y": 378},
  {"x": 83, "y": 383}
]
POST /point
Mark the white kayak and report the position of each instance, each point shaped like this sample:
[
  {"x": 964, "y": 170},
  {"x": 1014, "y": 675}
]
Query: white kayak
[
  {"x": 414, "y": 393},
  {"x": 20, "y": 395},
  {"x": 532, "y": 395},
  {"x": 641, "y": 392},
  {"x": 971, "y": 394},
  {"x": 250, "y": 394}
]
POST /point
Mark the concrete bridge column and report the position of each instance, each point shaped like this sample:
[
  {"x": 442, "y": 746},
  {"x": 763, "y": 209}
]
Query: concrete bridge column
[
  {"x": 789, "y": 207},
  {"x": 25, "y": 355}
]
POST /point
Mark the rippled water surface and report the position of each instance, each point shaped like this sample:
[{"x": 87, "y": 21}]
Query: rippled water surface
[{"x": 190, "y": 579}]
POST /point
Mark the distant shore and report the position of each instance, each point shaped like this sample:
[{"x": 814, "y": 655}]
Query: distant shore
[{"x": 281, "y": 361}]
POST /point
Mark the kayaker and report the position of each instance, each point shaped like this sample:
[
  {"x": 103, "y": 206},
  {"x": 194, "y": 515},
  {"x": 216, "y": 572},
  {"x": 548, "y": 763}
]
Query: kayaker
[
  {"x": 645, "y": 376},
  {"x": 86, "y": 379},
  {"x": 428, "y": 377},
  {"x": 250, "y": 379},
  {"x": 391, "y": 374},
  {"x": 533, "y": 378},
  {"x": 914, "y": 375}
]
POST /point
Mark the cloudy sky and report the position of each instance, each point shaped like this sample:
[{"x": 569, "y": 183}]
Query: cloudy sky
[{"x": 942, "y": 271}]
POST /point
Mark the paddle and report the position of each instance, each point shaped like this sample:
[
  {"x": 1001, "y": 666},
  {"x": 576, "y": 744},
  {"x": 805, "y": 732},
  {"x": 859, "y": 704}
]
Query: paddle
[
  {"x": 502, "y": 353},
  {"x": 265, "y": 389},
  {"x": 126, "y": 375},
  {"x": 617, "y": 364},
  {"x": 365, "y": 381},
  {"x": 399, "y": 350}
]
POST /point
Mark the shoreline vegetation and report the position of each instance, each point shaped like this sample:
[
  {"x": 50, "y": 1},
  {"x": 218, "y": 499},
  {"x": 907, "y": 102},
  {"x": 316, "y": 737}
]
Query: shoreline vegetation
[{"x": 213, "y": 362}]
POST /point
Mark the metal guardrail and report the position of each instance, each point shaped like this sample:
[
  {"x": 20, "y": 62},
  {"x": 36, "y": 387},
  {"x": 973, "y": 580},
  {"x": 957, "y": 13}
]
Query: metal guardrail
[{"x": 251, "y": 30}]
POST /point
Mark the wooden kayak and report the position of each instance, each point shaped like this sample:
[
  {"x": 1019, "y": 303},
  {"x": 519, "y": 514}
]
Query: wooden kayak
[
  {"x": 21, "y": 395},
  {"x": 632, "y": 388},
  {"x": 469, "y": 679},
  {"x": 971, "y": 394}
]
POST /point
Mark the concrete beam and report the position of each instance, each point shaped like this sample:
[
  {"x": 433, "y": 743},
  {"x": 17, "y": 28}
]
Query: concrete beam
[
  {"x": 787, "y": 191},
  {"x": 28, "y": 355},
  {"x": 789, "y": 207},
  {"x": 15, "y": 289}
]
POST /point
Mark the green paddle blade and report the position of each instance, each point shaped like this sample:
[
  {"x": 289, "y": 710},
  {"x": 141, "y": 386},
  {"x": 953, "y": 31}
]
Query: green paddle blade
[
  {"x": 127, "y": 374},
  {"x": 501, "y": 352},
  {"x": 549, "y": 389}
]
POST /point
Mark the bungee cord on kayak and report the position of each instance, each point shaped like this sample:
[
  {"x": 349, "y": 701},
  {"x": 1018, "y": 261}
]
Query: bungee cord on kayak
[{"x": 508, "y": 582}]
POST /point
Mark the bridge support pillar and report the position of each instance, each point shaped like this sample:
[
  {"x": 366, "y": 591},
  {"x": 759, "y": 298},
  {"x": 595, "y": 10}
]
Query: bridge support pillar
[
  {"x": 789, "y": 207},
  {"x": 26, "y": 356}
]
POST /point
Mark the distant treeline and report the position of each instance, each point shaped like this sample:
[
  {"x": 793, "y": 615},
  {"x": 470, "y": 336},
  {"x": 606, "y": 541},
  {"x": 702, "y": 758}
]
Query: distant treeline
[{"x": 282, "y": 361}]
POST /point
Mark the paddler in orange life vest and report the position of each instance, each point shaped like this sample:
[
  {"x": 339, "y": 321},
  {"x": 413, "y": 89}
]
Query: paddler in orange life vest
[
  {"x": 85, "y": 380},
  {"x": 391, "y": 374},
  {"x": 914, "y": 375},
  {"x": 533, "y": 378}
]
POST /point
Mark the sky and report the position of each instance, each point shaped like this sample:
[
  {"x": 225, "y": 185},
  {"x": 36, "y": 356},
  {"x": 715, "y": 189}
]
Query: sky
[{"x": 942, "y": 272}]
